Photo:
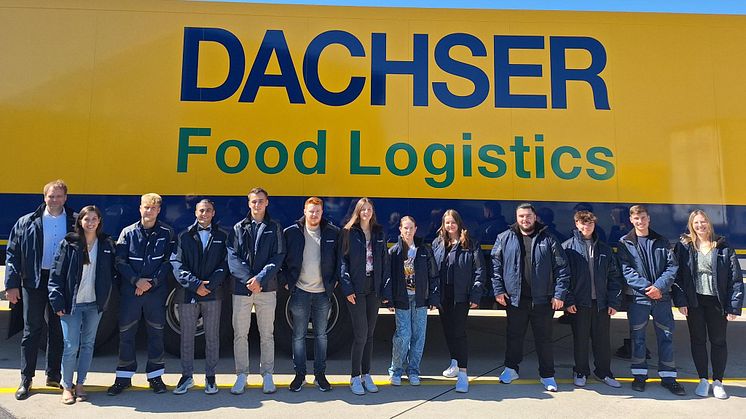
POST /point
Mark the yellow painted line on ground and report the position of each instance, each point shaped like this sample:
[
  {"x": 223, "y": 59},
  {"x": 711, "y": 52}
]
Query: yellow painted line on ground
[
  {"x": 3, "y": 242},
  {"x": 380, "y": 383}
]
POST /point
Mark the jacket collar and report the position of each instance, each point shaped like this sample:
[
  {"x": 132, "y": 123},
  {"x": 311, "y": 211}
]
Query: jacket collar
[
  {"x": 193, "y": 228},
  {"x": 720, "y": 241},
  {"x": 631, "y": 237},
  {"x": 247, "y": 221},
  {"x": 579, "y": 236},
  {"x": 39, "y": 212}
]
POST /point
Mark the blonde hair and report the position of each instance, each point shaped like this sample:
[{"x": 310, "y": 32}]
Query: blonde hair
[
  {"x": 151, "y": 199},
  {"x": 692, "y": 236},
  {"x": 56, "y": 184}
]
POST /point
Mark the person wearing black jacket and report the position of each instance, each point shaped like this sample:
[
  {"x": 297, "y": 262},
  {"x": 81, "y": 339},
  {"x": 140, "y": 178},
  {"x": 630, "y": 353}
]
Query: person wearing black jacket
[
  {"x": 594, "y": 296},
  {"x": 709, "y": 291},
  {"x": 200, "y": 266},
  {"x": 256, "y": 250},
  {"x": 363, "y": 267},
  {"x": 310, "y": 274},
  {"x": 530, "y": 277},
  {"x": 32, "y": 243},
  {"x": 461, "y": 273},
  {"x": 80, "y": 285},
  {"x": 143, "y": 262},
  {"x": 412, "y": 289}
]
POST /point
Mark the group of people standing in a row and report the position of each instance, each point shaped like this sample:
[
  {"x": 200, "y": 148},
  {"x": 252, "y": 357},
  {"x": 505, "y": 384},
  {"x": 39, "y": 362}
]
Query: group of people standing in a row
[{"x": 63, "y": 263}]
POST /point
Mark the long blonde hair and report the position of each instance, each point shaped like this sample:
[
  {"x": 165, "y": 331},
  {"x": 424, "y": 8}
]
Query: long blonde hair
[
  {"x": 692, "y": 235},
  {"x": 462, "y": 233}
]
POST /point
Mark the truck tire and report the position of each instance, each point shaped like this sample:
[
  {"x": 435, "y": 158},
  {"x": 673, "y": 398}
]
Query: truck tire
[
  {"x": 107, "y": 335},
  {"x": 339, "y": 328},
  {"x": 172, "y": 329}
]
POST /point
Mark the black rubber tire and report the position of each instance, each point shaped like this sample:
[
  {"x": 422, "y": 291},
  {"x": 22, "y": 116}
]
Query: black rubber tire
[
  {"x": 108, "y": 326},
  {"x": 339, "y": 329}
]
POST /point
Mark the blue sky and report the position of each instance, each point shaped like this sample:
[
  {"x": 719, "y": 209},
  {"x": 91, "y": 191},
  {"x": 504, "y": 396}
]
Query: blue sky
[{"x": 670, "y": 6}]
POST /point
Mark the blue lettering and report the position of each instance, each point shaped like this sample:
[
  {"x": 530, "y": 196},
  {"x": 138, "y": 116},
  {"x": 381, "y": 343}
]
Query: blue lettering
[
  {"x": 504, "y": 70},
  {"x": 311, "y": 68},
  {"x": 190, "y": 65},
  {"x": 381, "y": 67},
  {"x": 464, "y": 70},
  {"x": 274, "y": 41},
  {"x": 560, "y": 74}
]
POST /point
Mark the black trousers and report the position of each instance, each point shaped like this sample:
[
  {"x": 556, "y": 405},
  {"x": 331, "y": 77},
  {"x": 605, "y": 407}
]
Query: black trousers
[
  {"x": 539, "y": 316},
  {"x": 36, "y": 312},
  {"x": 705, "y": 321},
  {"x": 590, "y": 324},
  {"x": 453, "y": 317},
  {"x": 364, "y": 314}
]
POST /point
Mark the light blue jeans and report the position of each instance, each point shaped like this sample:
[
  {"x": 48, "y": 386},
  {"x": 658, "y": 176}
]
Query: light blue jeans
[
  {"x": 409, "y": 339},
  {"x": 79, "y": 332}
]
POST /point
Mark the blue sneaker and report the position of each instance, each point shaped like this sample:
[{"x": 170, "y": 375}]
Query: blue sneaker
[
  {"x": 414, "y": 379},
  {"x": 508, "y": 375},
  {"x": 549, "y": 384},
  {"x": 356, "y": 385}
]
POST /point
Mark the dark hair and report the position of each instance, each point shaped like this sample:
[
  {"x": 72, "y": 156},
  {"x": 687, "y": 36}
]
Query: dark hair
[
  {"x": 463, "y": 234},
  {"x": 355, "y": 222},
  {"x": 81, "y": 234},
  {"x": 585, "y": 217},
  {"x": 526, "y": 205},
  {"x": 206, "y": 201}
]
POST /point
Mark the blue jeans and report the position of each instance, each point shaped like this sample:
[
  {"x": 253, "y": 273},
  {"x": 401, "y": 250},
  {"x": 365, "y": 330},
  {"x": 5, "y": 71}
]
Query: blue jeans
[
  {"x": 663, "y": 323},
  {"x": 409, "y": 339},
  {"x": 304, "y": 306},
  {"x": 78, "y": 332}
]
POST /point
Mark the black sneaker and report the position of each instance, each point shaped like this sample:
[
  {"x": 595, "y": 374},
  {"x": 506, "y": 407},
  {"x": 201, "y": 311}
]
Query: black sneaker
[
  {"x": 210, "y": 386},
  {"x": 157, "y": 385},
  {"x": 674, "y": 387},
  {"x": 322, "y": 383},
  {"x": 120, "y": 384},
  {"x": 297, "y": 383},
  {"x": 638, "y": 384}
]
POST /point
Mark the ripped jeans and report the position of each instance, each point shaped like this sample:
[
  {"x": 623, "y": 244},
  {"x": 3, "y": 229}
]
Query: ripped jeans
[{"x": 663, "y": 323}]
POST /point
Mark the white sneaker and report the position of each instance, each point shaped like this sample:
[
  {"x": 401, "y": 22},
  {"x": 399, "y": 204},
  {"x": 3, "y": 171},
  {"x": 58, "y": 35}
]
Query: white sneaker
[
  {"x": 579, "y": 380},
  {"x": 356, "y": 385},
  {"x": 549, "y": 384},
  {"x": 718, "y": 390},
  {"x": 462, "y": 382},
  {"x": 395, "y": 380},
  {"x": 268, "y": 385},
  {"x": 703, "y": 388},
  {"x": 611, "y": 382},
  {"x": 369, "y": 385},
  {"x": 240, "y": 385},
  {"x": 452, "y": 370},
  {"x": 508, "y": 375}
]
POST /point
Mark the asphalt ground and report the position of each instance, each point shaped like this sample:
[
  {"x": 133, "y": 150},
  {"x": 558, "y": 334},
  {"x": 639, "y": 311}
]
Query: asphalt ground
[{"x": 434, "y": 398}]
